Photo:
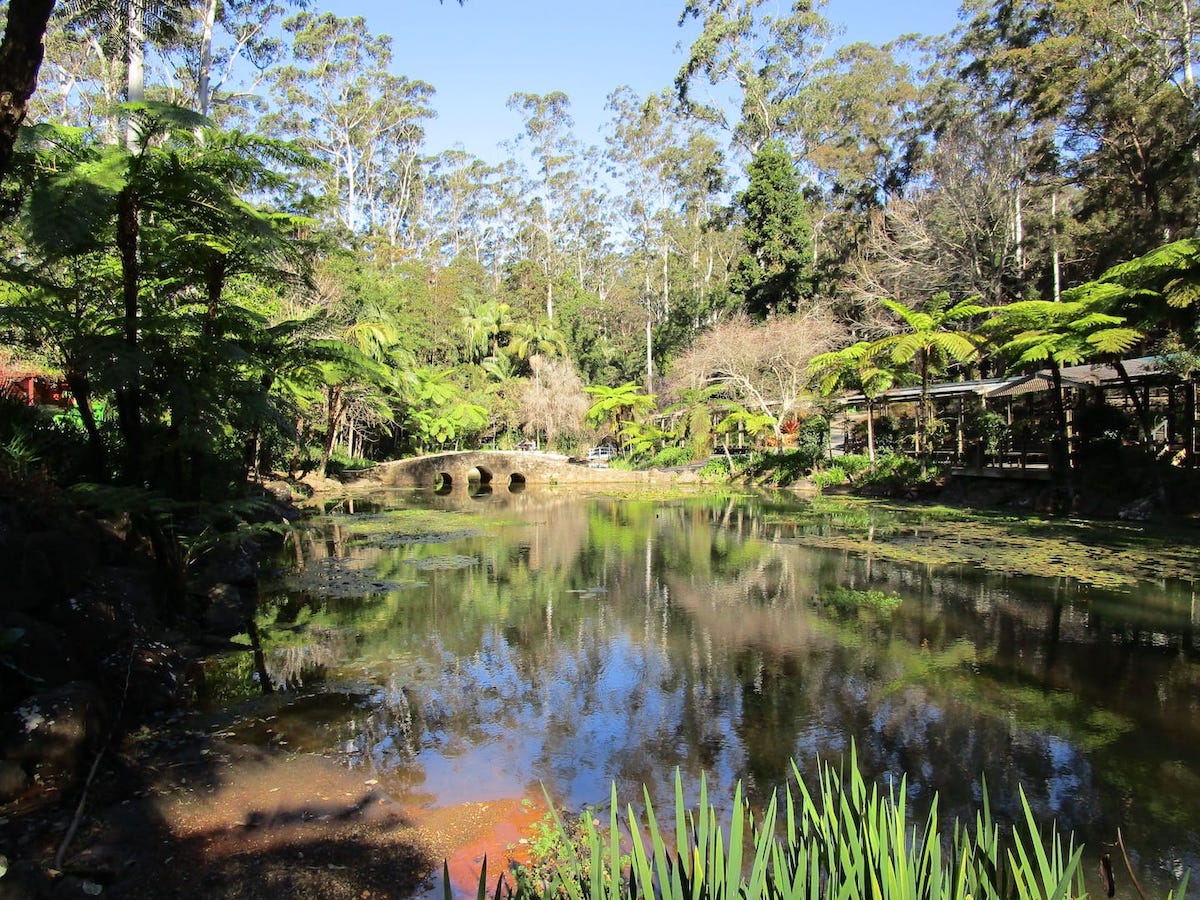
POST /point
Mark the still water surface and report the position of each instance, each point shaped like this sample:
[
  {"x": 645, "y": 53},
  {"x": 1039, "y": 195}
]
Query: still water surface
[{"x": 466, "y": 648}]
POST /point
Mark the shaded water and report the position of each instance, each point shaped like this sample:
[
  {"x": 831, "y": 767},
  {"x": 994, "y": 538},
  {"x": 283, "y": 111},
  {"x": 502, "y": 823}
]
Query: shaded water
[{"x": 476, "y": 648}]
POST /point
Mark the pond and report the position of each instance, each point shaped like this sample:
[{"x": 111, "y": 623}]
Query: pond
[{"x": 465, "y": 648}]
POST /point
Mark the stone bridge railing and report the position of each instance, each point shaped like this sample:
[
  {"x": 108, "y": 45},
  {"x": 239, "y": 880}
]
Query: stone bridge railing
[{"x": 498, "y": 468}]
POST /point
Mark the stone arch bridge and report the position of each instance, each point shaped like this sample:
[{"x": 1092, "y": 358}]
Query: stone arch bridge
[{"x": 497, "y": 468}]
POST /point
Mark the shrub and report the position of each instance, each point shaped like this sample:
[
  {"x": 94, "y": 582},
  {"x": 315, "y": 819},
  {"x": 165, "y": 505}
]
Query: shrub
[
  {"x": 781, "y": 469},
  {"x": 824, "y": 478},
  {"x": 671, "y": 456},
  {"x": 854, "y": 464},
  {"x": 717, "y": 467}
]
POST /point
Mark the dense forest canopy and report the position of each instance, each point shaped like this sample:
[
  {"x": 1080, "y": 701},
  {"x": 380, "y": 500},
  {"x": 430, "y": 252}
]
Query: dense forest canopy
[{"x": 227, "y": 233}]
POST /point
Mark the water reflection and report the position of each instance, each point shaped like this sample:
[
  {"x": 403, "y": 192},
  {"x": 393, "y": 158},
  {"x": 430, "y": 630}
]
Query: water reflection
[{"x": 572, "y": 641}]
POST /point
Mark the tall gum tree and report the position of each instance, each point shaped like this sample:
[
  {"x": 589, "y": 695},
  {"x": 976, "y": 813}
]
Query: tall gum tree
[
  {"x": 338, "y": 100},
  {"x": 1115, "y": 83},
  {"x": 753, "y": 62}
]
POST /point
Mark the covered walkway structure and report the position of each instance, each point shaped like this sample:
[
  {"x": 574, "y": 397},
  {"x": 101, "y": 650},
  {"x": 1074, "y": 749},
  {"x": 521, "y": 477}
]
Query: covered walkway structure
[{"x": 1148, "y": 394}]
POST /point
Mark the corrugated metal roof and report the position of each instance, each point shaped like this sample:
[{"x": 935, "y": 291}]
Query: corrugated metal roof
[{"x": 1014, "y": 386}]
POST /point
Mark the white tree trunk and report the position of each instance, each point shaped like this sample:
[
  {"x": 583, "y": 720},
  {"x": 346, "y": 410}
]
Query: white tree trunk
[
  {"x": 135, "y": 62},
  {"x": 204, "y": 79}
]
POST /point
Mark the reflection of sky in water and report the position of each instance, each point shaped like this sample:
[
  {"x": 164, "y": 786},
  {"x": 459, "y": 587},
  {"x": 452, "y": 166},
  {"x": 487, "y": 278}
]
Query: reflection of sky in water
[{"x": 600, "y": 640}]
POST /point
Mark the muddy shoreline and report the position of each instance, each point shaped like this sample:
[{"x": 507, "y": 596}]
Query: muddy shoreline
[{"x": 110, "y": 786}]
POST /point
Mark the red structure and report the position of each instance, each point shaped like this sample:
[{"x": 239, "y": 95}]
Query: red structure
[{"x": 32, "y": 386}]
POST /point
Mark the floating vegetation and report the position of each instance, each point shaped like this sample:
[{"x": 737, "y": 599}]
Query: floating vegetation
[
  {"x": 849, "y": 600},
  {"x": 1109, "y": 555},
  {"x": 432, "y": 563},
  {"x": 392, "y": 541},
  {"x": 399, "y": 527},
  {"x": 342, "y": 579}
]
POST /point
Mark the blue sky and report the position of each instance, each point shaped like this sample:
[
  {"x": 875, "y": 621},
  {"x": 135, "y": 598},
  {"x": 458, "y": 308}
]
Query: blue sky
[{"x": 478, "y": 54}]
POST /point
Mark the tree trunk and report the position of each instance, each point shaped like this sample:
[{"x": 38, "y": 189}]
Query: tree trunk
[
  {"x": 649, "y": 354},
  {"x": 82, "y": 390},
  {"x": 1062, "y": 460},
  {"x": 204, "y": 81},
  {"x": 871, "y": 434},
  {"x": 923, "y": 416},
  {"x": 331, "y": 422},
  {"x": 21, "y": 52},
  {"x": 135, "y": 63},
  {"x": 214, "y": 287},
  {"x": 129, "y": 396}
]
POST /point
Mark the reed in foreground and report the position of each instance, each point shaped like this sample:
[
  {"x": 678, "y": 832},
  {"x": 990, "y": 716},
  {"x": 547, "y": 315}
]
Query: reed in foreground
[{"x": 845, "y": 841}]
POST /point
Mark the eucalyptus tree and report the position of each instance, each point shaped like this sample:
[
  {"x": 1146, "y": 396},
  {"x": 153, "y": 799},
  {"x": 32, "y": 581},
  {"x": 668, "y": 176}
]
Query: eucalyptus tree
[
  {"x": 224, "y": 53},
  {"x": 99, "y": 51},
  {"x": 958, "y": 230},
  {"x": 762, "y": 60},
  {"x": 864, "y": 136},
  {"x": 554, "y": 184},
  {"x": 338, "y": 100},
  {"x": 1115, "y": 85},
  {"x": 643, "y": 148},
  {"x": 461, "y": 197}
]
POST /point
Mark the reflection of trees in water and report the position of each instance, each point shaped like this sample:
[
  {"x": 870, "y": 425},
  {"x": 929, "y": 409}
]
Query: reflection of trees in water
[
  {"x": 306, "y": 657},
  {"x": 612, "y": 639},
  {"x": 386, "y": 736}
]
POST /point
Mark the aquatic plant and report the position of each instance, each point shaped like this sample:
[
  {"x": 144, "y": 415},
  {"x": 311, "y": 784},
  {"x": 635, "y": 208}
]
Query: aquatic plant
[{"x": 845, "y": 840}]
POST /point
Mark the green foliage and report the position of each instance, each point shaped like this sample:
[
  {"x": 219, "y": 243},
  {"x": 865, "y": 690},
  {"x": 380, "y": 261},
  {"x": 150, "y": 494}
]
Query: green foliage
[
  {"x": 846, "y": 837},
  {"x": 780, "y": 469},
  {"x": 668, "y": 457},
  {"x": 615, "y": 405},
  {"x": 854, "y": 464},
  {"x": 829, "y": 477},
  {"x": 986, "y": 428},
  {"x": 776, "y": 269},
  {"x": 18, "y": 455},
  {"x": 895, "y": 474},
  {"x": 717, "y": 467},
  {"x": 848, "y": 599}
]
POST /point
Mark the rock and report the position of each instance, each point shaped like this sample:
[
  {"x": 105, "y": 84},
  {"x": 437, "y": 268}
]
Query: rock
[
  {"x": 1138, "y": 511},
  {"x": 281, "y": 491},
  {"x": 53, "y": 734},
  {"x": 226, "y": 610},
  {"x": 156, "y": 676},
  {"x": 52, "y": 567},
  {"x": 37, "y": 653},
  {"x": 25, "y": 880},
  {"x": 13, "y": 781}
]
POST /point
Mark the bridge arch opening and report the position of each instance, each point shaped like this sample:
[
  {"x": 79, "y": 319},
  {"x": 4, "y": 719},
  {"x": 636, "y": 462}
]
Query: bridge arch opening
[
  {"x": 516, "y": 482},
  {"x": 479, "y": 490},
  {"x": 443, "y": 483},
  {"x": 480, "y": 474}
]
